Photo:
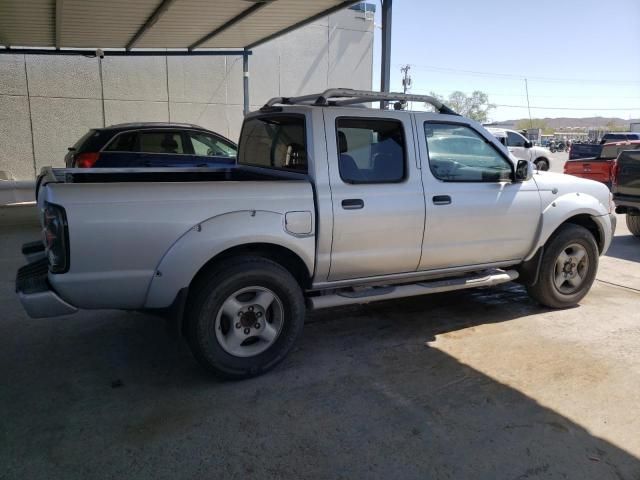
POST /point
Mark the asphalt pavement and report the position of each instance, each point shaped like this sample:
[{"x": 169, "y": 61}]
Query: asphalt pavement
[{"x": 481, "y": 384}]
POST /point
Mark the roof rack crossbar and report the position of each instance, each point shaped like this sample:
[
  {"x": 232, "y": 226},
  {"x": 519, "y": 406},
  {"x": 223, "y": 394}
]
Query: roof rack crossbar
[{"x": 348, "y": 96}]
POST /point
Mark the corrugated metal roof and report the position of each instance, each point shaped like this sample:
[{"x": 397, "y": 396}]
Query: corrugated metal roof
[{"x": 152, "y": 23}]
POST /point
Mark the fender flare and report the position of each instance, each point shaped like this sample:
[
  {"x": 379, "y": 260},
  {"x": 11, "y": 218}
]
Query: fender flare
[
  {"x": 182, "y": 261},
  {"x": 563, "y": 209}
]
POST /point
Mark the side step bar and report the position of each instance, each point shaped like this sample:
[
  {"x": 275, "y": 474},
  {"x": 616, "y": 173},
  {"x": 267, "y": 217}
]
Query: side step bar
[{"x": 375, "y": 294}]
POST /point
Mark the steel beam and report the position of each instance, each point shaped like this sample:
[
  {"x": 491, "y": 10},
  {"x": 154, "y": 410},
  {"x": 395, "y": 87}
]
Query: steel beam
[
  {"x": 385, "y": 61},
  {"x": 245, "y": 82},
  {"x": 125, "y": 53},
  {"x": 58, "y": 32},
  {"x": 315, "y": 17},
  {"x": 151, "y": 21},
  {"x": 244, "y": 14}
]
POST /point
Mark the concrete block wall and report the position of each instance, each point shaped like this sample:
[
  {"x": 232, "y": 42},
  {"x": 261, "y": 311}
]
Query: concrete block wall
[{"x": 48, "y": 102}]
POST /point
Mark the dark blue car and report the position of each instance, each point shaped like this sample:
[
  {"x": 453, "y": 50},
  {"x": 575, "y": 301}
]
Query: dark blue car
[{"x": 143, "y": 145}]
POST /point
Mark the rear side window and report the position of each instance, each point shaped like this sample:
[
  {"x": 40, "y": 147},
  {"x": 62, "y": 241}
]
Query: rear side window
[
  {"x": 161, "y": 142},
  {"x": 370, "y": 150},
  {"x": 125, "y": 142},
  {"x": 276, "y": 141}
]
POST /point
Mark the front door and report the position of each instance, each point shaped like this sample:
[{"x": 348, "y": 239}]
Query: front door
[
  {"x": 476, "y": 214},
  {"x": 516, "y": 145},
  {"x": 377, "y": 195}
]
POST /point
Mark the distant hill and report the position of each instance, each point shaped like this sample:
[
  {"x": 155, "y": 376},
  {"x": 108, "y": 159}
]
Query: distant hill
[{"x": 567, "y": 122}]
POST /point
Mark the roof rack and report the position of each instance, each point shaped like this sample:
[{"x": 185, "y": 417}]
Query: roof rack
[{"x": 347, "y": 96}]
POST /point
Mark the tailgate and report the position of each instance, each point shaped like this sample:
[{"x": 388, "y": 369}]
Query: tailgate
[
  {"x": 628, "y": 173},
  {"x": 593, "y": 169}
]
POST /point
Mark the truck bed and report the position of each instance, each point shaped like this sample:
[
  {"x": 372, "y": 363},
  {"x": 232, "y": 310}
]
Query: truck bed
[{"x": 129, "y": 175}]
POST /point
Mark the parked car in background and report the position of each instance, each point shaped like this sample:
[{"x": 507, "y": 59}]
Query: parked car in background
[
  {"x": 150, "y": 144},
  {"x": 619, "y": 136},
  {"x": 522, "y": 148},
  {"x": 599, "y": 168},
  {"x": 626, "y": 188},
  {"x": 329, "y": 205}
]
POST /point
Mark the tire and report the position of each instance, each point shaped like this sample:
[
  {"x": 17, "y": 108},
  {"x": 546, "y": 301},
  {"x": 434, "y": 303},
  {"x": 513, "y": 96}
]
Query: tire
[
  {"x": 542, "y": 164},
  {"x": 579, "y": 262},
  {"x": 633, "y": 224},
  {"x": 233, "y": 328}
]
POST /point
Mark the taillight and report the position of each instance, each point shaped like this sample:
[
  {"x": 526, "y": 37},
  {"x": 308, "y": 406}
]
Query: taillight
[
  {"x": 614, "y": 174},
  {"x": 56, "y": 237},
  {"x": 86, "y": 159}
]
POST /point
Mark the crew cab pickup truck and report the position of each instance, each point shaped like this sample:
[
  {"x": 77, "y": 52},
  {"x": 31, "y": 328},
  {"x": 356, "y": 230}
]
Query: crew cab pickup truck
[
  {"x": 600, "y": 167},
  {"x": 626, "y": 188},
  {"x": 330, "y": 204}
]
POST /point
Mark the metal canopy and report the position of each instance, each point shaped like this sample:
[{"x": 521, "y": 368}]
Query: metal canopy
[{"x": 139, "y": 24}]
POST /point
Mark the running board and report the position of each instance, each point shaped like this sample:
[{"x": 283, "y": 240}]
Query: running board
[{"x": 375, "y": 294}]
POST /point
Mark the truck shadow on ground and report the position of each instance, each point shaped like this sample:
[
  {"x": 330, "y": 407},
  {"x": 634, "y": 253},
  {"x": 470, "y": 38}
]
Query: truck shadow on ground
[
  {"x": 625, "y": 247},
  {"x": 361, "y": 396}
]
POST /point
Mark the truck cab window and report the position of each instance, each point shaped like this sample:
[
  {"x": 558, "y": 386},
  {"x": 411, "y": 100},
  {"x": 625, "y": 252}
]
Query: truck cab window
[
  {"x": 275, "y": 141},
  {"x": 459, "y": 154},
  {"x": 515, "y": 140},
  {"x": 370, "y": 150}
]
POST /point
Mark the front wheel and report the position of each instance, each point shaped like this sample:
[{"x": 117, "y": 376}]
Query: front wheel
[
  {"x": 568, "y": 268},
  {"x": 244, "y": 317},
  {"x": 542, "y": 164},
  {"x": 633, "y": 224}
]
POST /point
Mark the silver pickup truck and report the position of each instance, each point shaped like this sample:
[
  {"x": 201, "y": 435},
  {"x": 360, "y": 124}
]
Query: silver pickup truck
[{"x": 331, "y": 203}]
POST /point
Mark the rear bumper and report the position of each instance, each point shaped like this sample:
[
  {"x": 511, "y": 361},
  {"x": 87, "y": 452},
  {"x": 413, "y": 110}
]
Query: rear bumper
[
  {"x": 35, "y": 293},
  {"x": 627, "y": 203}
]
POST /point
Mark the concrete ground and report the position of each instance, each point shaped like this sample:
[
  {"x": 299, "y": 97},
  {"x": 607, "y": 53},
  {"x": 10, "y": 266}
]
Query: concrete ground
[{"x": 480, "y": 384}]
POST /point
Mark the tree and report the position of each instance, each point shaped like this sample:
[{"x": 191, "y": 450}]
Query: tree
[
  {"x": 525, "y": 124},
  {"x": 475, "y": 106}
]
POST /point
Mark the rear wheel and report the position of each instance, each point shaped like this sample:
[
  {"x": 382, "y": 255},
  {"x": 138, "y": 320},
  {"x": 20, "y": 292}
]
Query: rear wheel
[
  {"x": 633, "y": 224},
  {"x": 244, "y": 317},
  {"x": 568, "y": 268},
  {"x": 542, "y": 164}
]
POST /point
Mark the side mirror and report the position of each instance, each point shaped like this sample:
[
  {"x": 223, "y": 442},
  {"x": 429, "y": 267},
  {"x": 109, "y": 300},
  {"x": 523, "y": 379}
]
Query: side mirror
[
  {"x": 528, "y": 144},
  {"x": 524, "y": 170}
]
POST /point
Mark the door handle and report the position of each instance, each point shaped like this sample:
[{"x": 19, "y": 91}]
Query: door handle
[
  {"x": 352, "y": 203},
  {"x": 441, "y": 200}
]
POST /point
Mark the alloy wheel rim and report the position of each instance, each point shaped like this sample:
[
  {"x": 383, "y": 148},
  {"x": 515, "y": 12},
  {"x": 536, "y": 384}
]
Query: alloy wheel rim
[
  {"x": 249, "y": 321},
  {"x": 571, "y": 269}
]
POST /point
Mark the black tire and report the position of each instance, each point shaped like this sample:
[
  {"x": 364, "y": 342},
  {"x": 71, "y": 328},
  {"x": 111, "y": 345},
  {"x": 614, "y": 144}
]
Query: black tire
[
  {"x": 217, "y": 286},
  {"x": 545, "y": 290},
  {"x": 633, "y": 224},
  {"x": 542, "y": 164}
]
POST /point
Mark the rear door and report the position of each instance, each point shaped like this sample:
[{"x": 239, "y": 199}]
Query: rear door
[
  {"x": 164, "y": 148},
  {"x": 376, "y": 191}
]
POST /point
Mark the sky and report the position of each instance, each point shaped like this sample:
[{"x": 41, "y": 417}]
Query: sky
[{"x": 581, "y": 58}]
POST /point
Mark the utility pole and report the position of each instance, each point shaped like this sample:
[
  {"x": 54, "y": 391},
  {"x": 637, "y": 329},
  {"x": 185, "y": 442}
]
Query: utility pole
[
  {"x": 406, "y": 80},
  {"x": 526, "y": 87}
]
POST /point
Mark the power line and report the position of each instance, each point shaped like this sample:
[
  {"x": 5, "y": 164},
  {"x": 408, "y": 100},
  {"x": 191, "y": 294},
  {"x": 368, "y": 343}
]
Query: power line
[
  {"x": 521, "y": 77},
  {"x": 568, "y": 108}
]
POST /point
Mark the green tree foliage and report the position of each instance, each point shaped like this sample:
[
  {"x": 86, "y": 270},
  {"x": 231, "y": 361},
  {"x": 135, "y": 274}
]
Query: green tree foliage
[{"x": 475, "y": 106}]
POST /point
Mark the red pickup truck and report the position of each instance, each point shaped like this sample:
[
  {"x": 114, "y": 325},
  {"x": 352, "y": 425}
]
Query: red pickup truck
[{"x": 599, "y": 168}]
